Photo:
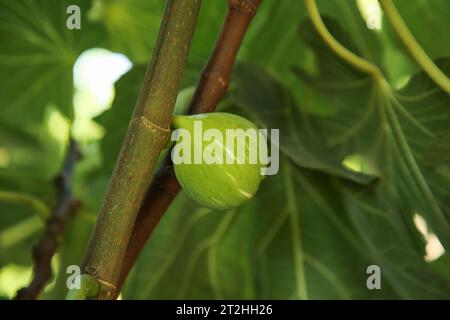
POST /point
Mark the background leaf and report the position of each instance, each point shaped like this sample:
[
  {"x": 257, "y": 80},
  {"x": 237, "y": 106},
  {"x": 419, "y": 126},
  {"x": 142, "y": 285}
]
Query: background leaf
[{"x": 37, "y": 55}]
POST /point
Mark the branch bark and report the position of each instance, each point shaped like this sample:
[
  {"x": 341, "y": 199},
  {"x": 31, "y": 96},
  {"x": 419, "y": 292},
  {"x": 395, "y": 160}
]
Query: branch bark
[
  {"x": 47, "y": 246},
  {"x": 212, "y": 85},
  {"x": 147, "y": 135}
]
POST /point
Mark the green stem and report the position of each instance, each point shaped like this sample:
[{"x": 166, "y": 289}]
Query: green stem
[
  {"x": 89, "y": 287},
  {"x": 413, "y": 47},
  {"x": 147, "y": 135},
  {"x": 28, "y": 200},
  {"x": 356, "y": 61}
]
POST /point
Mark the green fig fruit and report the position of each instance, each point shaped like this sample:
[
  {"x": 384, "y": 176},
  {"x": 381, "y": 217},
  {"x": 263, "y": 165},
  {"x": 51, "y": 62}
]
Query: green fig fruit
[{"x": 221, "y": 168}]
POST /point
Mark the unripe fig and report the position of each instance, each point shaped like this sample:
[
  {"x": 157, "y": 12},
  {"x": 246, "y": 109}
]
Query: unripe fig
[{"x": 222, "y": 164}]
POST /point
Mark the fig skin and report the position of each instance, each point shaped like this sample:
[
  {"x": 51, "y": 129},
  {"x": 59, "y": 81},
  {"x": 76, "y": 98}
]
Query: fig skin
[{"x": 218, "y": 186}]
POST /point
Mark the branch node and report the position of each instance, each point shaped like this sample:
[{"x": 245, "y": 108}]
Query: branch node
[
  {"x": 108, "y": 290},
  {"x": 150, "y": 124},
  {"x": 245, "y": 6},
  {"x": 217, "y": 77}
]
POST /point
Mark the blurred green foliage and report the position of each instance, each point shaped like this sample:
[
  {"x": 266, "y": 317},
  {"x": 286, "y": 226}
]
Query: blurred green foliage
[{"x": 358, "y": 163}]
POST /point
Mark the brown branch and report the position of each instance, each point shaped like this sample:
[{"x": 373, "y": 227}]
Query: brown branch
[
  {"x": 212, "y": 85},
  {"x": 47, "y": 246}
]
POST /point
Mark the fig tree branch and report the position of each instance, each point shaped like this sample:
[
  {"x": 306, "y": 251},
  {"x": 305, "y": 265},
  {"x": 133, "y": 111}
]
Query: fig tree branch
[
  {"x": 212, "y": 85},
  {"x": 148, "y": 133},
  {"x": 47, "y": 246}
]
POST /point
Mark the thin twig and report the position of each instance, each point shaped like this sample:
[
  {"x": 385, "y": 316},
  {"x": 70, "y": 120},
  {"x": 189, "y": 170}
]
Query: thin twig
[
  {"x": 212, "y": 86},
  {"x": 65, "y": 208}
]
